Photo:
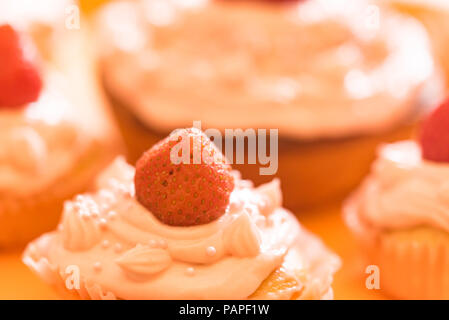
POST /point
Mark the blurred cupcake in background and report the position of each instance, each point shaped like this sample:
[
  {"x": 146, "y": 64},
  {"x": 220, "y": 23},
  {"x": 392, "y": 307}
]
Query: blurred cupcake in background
[
  {"x": 400, "y": 214},
  {"x": 54, "y": 135},
  {"x": 434, "y": 14},
  {"x": 335, "y": 79}
]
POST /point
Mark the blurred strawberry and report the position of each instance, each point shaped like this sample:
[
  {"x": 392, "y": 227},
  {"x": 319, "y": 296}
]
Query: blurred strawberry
[{"x": 20, "y": 81}]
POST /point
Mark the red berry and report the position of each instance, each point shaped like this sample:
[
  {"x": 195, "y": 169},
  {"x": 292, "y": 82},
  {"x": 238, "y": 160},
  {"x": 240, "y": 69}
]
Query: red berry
[
  {"x": 184, "y": 194},
  {"x": 434, "y": 135},
  {"x": 20, "y": 81}
]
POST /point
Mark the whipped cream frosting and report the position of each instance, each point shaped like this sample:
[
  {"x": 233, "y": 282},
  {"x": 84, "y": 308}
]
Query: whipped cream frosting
[
  {"x": 39, "y": 142},
  {"x": 404, "y": 190},
  {"x": 313, "y": 69},
  {"x": 121, "y": 247}
]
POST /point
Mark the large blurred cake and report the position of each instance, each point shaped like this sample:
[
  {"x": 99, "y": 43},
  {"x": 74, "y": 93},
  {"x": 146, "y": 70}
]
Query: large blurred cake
[{"x": 334, "y": 78}]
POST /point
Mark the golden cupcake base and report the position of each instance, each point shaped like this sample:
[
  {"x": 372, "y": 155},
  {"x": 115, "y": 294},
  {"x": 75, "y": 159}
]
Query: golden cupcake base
[{"x": 413, "y": 263}]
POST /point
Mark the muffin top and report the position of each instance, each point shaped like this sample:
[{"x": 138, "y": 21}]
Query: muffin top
[
  {"x": 404, "y": 190},
  {"x": 310, "y": 68}
]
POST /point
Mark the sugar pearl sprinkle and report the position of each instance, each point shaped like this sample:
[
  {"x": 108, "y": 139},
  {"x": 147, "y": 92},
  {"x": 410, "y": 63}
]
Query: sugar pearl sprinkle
[
  {"x": 79, "y": 198},
  {"x": 85, "y": 206},
  {"x": 97, "y": 266},
  {"x": 107, "y": 196},
  {"x": 105, "y": 244},
  {"x": 68, "y": 206},
  {"x": 163, "y": 244},
  {"x": 211, "y": 251},
  {"x": 152, "y": 243},
  {"x": 118, "y": 247},
  {"x": 95, "y": 213},
  {"x": 112, "y": 215},
  {"x": 158, "y": 243},
  {"x": 190, "y": 271},
  {"x": 103, "y": 224}
]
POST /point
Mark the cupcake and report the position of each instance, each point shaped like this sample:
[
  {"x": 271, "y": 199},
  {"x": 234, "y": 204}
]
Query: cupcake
[
  {"x": 54, "y": 136},
  {"x": 400, "y": 213},
  {"x": 334, "y": 80},
  {"x": 434, "y": 14},
  {"x": 182, "y": 229}
]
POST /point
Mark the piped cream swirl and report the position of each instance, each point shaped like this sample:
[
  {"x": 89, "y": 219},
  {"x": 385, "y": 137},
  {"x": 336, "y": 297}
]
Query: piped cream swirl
[
  {"x": 80, "y": 232},
  {"x": 404, "y": 190}
]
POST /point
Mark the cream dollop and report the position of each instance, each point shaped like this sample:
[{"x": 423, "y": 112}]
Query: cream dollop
[
  {"x": 79, "y": 230},
  {"x": 242, "y": 238},
  {"x": 404, "y": 190}
]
